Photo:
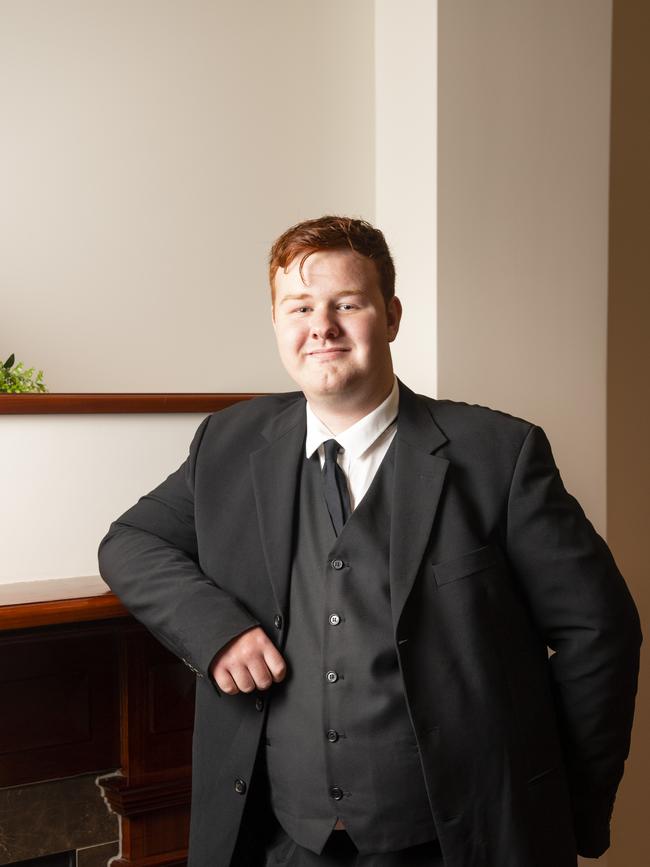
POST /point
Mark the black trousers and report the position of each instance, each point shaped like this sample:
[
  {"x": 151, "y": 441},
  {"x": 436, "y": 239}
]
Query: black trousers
[{"x": 340, "y": 851}]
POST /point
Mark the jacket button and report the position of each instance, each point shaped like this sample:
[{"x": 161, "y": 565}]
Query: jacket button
[
  {"x": 335, "y": 619},
  {"x": 336, "y": 793},
  {"x": 332, "y": 676},
  {"x": 240, "y": 787},
  {"x": 332, "y": 736},
  {"x": 259, "y": 703},
  {"x": 336, "y": 564},
  {"x": 277, "y": 621}
]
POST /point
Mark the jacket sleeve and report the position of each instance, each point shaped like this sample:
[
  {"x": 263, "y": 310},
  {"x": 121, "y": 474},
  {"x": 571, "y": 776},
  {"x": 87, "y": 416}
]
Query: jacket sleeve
[
  {"x": 149, "y": 558},
  {"x": 582, "y": 607}
]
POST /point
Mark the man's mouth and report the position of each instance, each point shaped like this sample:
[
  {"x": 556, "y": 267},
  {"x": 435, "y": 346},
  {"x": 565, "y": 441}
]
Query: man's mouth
[{"x": 332, "y": 350}]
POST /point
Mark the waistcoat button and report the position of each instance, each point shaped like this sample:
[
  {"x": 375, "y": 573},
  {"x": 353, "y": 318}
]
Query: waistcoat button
[
  {"x": 336, "y": 793},
  {"x": 336, "y": 564},
  {"x": 332, "y": 736},
  {"x": 259, "y": 703},
  {"x": 277, "y": 621},
  {"x": 332, "y": 676},
  {"x": 240, "y": 787},
  {"x": 335, "y": 619}
]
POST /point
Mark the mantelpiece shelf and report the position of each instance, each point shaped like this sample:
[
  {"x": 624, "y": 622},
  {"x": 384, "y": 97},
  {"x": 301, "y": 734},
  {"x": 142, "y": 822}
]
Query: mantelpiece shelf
[{"x": 24, "y": 604}]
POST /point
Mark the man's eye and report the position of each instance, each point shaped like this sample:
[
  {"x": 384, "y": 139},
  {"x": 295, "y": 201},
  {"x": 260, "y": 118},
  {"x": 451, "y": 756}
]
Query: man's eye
[
  {"x": 301, "y": 309},
  {"x": 346, "y": 306}
]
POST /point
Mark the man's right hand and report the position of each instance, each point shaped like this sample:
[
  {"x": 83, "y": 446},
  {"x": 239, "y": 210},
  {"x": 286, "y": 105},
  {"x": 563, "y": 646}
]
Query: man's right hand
[{"x": 249, "y": 661}]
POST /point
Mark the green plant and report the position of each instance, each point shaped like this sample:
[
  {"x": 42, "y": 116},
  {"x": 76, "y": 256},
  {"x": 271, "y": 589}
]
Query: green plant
[{"x": 14, "y": 379}]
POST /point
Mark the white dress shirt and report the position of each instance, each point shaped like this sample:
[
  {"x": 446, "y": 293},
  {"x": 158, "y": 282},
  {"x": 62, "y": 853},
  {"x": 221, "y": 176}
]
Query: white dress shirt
[{"x": 364, "y": 443}]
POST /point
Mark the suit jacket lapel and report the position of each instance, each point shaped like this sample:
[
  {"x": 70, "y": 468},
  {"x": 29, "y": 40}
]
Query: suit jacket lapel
[
  {"x": 275, "y": 468},
  {"x": 419, "y": 477}
]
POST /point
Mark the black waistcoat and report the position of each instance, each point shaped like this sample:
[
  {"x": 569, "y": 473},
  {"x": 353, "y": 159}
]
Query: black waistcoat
[{"x": 339, "y": 742}]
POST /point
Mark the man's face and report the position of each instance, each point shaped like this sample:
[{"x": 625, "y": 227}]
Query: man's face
[{"x": 333, "y": 330}]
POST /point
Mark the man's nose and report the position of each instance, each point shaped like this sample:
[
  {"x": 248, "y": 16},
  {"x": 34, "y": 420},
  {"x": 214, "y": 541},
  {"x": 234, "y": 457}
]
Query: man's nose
[{"x": 324, "y": 325}]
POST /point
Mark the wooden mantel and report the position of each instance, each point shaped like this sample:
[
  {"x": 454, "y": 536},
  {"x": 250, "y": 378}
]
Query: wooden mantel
[
  {"x": 24, "y": 604},
  {"x": 78, "y": 403}
]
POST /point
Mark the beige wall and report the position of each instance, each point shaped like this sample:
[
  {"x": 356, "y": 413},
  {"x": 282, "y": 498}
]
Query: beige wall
[
  {"x": 156, "y": 151},
  {"x": 628, "y": 408},
  {"x": 523, "y": 150},
  {"x": 538, "y": 314},
  {"x": 523, "y": 162},
  {"x": 150, "y": 153}
]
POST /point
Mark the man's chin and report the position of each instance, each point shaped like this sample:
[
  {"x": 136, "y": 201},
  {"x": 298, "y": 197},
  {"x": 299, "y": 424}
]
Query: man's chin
[{"x": 328, "y": 388}]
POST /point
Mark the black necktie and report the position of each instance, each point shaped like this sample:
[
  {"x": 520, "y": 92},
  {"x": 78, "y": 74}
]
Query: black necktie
[{"x": 335, "y": 486}]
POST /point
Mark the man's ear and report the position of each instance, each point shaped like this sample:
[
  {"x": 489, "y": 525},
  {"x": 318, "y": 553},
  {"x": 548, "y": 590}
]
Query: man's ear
[{"x": 393, "y": 317}]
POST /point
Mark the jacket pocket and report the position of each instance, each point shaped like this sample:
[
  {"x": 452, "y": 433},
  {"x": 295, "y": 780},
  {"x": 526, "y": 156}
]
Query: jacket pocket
[{"x": 466, "y": 564}]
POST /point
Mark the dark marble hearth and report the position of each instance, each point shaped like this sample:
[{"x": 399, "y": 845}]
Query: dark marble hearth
[{"x": 55, "y": 817}]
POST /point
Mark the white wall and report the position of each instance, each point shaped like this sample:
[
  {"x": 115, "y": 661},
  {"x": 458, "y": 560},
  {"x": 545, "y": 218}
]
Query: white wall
[
  {"x": 70, "y": 476},
  {"x": 406, "y": 124}
]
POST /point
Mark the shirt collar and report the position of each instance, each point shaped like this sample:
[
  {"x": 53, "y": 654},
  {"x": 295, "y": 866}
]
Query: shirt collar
[{"x": 361, "y": 435}]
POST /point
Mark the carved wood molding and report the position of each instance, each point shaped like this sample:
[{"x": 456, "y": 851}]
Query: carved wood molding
[
  {"x": 40, "y": 404},
  {"x": 134, "y": 800}
]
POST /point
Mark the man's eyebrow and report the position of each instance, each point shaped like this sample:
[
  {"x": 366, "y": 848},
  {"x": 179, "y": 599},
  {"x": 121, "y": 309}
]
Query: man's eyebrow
[
  {"x": 300, "y": 296},
  {"x": 295, "y": 297}
]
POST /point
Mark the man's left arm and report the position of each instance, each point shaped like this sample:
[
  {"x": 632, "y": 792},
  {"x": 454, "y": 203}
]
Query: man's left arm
[{"x": 582, "y": 606}]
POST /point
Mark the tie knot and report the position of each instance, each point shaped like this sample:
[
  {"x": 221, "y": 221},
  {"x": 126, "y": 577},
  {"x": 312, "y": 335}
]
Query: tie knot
[{"x": 332, "y": 449}]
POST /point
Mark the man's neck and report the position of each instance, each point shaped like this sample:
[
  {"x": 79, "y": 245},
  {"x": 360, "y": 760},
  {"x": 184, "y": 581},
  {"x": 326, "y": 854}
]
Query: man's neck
[{"x": 338, "y": 415}]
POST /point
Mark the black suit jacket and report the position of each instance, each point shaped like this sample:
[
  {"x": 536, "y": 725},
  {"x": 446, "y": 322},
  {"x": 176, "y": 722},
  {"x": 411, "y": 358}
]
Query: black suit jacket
[{"x": 492, "y": 562}]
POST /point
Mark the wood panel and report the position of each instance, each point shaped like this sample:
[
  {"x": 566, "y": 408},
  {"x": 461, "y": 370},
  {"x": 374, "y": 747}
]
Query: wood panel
[
  {"x": 158, "y": 691},
  {"x": 60, "y": 709}
]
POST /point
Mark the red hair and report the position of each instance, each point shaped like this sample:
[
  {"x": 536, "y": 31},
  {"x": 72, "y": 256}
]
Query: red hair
[{"x": 334, "y": 233}]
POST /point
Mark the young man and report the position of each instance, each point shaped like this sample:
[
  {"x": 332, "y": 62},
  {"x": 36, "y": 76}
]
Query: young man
[{"x": 366, "y": 582}]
